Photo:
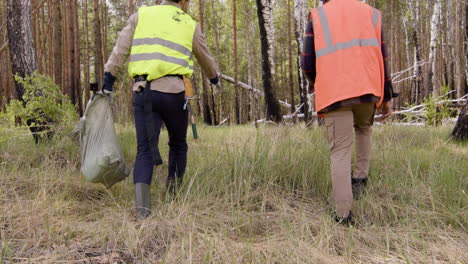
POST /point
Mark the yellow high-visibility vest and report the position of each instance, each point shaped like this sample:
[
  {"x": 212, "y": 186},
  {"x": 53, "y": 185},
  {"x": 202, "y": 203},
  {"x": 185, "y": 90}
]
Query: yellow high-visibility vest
[{"x": 162, "y": 43}]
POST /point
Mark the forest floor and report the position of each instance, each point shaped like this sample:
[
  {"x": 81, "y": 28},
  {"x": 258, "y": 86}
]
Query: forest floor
[{"x": 249, "y": 196}]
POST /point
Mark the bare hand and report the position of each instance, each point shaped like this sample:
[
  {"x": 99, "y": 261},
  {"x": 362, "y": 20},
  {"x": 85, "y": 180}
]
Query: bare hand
[{"x": 385, "y": 110}]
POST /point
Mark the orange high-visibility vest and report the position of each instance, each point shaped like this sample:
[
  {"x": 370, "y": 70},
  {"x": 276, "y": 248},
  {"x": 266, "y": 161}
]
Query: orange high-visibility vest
[{"x": 349, "y": 62}]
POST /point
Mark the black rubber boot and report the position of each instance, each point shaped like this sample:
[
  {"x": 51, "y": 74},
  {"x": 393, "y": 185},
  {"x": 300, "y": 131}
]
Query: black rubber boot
[
  {"x": 346, "y": 221},
  {"x": 142, "y": 200},
  {"x": 173, "y": 187},
  {"x": 359, "y": 186}
]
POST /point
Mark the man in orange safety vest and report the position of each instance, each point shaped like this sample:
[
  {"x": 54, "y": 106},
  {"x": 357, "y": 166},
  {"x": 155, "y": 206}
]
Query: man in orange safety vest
[{"x": 344, "y": 60}]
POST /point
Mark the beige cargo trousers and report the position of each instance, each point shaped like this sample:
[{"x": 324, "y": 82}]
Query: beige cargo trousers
[{"x": 339, "y": 124}]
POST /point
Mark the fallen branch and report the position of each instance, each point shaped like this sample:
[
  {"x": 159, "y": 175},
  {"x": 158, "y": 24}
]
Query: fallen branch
[
  {"x": 418, "y": 110},
  {"x": 250, "y": 88},
  {"x": 397, "y": 75},
  {"x": 224, "y": 121}
]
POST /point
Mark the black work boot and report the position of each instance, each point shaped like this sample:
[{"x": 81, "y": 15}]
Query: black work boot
[
  {"x": 346, "y": 221},
  {"x": 142, "y": 200},
  {"x": 173, "y": 187},
  {"x": 358, "y": 186}
]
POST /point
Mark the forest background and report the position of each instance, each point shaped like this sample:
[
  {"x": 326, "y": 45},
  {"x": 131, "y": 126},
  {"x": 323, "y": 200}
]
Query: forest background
[{"x": 72, "y": 40}]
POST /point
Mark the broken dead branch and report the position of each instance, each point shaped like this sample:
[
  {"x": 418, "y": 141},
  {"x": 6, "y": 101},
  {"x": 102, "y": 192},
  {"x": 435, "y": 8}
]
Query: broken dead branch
[{"x": 250, "y": 88}]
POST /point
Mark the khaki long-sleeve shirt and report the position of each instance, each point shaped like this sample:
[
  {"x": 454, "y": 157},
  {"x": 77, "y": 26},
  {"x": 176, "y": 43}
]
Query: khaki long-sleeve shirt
[{"x": 165, "y": 84}]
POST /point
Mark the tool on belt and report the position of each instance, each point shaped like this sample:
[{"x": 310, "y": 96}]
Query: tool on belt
[{"x": 188, "y": 97}]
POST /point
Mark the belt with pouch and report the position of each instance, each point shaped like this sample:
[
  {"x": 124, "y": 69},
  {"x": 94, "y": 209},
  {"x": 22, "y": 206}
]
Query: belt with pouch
[{"x": 142, "y": 78}]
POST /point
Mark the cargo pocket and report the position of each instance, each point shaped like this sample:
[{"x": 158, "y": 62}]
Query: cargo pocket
[{"x": 329, "y": 125}]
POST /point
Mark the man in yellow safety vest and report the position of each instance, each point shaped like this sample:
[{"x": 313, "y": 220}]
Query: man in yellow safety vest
[{"x": 161, "y": 41}]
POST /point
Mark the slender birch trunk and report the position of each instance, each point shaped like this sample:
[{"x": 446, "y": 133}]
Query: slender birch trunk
[
  {"x": 300, "y": 19},
  {"x": 265, "y": 19},
  {"x": 432, "y": 77}
]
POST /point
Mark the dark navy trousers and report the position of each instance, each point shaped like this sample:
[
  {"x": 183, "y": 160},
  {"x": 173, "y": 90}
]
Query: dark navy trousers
[{"x": 167, "y": 108}]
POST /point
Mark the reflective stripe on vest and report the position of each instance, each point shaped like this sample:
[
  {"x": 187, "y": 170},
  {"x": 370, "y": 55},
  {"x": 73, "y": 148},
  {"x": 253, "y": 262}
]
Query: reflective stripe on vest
[
  {"x": 349, "y": 62},
  {"x": 162, "y": 43},
  {"x": 331, "y": 48}
]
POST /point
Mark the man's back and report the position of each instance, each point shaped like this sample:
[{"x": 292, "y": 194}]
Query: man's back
[{"x": 347, "y": 36}]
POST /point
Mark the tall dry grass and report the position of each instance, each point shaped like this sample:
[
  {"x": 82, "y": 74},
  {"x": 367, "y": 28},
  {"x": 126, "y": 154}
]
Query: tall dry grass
[{"x": 249, "y": 196}]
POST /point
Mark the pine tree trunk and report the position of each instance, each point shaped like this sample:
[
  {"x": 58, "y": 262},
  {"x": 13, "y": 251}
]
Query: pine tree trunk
[
  {"x": 460, "y": 132},
  {"x": 265, "y": 20},
  {"x": 86, "y": 54},
  {"x": 20, "y": 41},
  {"x": 466, "y": 50},
  {"x": 98, "y": 58},
  {"x": 4, "y": 71},
  {"x": 57, "y": 32},
  {"x": 77, "y": 59},
  {"x": 458, "y": 49},
  {"x": 104, "y": 25},
  {"x": 290, "y": 55},
  {"x": 205, "y": 98},
  {"x": 216, "y": 25},
  {"x": 131, "y": 11},
  {"x": 451, "y": 22},
  {"x": 22, "y": 56},
  {"x": 234, "y": 54},
  {"x": 217, "y": 109}
]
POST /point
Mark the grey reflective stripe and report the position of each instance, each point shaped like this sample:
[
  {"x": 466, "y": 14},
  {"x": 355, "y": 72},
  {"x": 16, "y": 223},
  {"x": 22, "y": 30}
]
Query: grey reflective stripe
[
  {"x": 331, "y": 48},
  {"x": 162, "y": 42},
  {"x": 325, "y": 26},
  {"x": 159, "y": 56},
  {"x": 375, "y": 17},
  {"x": 347, "y": 45}
]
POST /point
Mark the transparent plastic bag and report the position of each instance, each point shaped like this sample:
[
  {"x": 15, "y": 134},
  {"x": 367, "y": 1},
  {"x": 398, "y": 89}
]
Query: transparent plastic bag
[{"x": 102, "y": 159}]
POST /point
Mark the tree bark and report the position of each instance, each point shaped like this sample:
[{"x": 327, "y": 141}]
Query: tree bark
[
  {"x": 57, "y": 32},
  {"x": 300, "y": 15},
  {"x": 234, "y": 52},
  {"x": 86, "y": 54},
  {"x": 466, "y": 49},
  {"x": 77, "y": 60},
  {"x": 131, "y": 11},
  {"x": 104, "y": 25},
  {"x": 432, "y": 76},
  {"x": 20, "y": 41},
  {"x": 264, "y": 11},
  {"x": 290, "y": 55},
  {"x": 460, "y": 132},
  {"x": 22, "y": 56},
  {"x": 417, "y": 93},
  {"x": 450, "y": 21},
  {"x": 205, "y": 98},
  {"x": 98, "y": 61},
  {"x": 217, "y": 109}
]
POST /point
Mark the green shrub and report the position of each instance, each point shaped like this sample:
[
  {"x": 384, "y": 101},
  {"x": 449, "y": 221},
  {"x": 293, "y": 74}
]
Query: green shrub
[
  {"x": 435, "y": 111},
  {"x": 44, "y": 103}
]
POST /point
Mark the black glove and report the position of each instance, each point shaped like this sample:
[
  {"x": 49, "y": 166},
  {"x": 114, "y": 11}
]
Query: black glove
[
  {"x": 109, "y": 80},
  {"x": 388, "y": 91},
  {"x": 214, "y": 81}
]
